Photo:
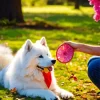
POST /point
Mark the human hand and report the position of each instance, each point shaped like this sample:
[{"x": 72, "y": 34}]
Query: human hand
[{"x": 74, "y": 45}]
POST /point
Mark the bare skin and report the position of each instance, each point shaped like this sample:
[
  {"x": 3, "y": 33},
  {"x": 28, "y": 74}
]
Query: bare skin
[{"x": 81, "y": 47}]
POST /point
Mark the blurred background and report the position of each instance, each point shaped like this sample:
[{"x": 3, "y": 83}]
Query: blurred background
[
  {"x": 11, "y": 10},
  {"x": 58, "y": 21}
]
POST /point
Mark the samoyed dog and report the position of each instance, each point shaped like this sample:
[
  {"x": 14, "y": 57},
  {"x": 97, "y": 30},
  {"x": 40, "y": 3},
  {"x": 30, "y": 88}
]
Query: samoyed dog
[{"x": 31, "y": 71}]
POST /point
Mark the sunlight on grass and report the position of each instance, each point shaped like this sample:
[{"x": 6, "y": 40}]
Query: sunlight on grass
[{"x": 58, "y": 9}]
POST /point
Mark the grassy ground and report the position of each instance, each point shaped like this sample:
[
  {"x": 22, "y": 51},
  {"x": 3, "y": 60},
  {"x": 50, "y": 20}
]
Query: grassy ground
[{"x": 80, "y": 27}]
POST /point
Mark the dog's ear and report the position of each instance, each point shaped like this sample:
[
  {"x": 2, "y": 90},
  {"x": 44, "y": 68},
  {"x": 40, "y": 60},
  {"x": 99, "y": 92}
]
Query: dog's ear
[
  {"x": 43, "y": 41},
  {"x": 28, "y": 45}
]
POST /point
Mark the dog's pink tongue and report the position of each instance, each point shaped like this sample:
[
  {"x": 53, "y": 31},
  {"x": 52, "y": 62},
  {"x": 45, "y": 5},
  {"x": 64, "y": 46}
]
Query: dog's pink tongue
[
  {"x": 50, "y": 68},
  {"x": 47, "y": 78}
]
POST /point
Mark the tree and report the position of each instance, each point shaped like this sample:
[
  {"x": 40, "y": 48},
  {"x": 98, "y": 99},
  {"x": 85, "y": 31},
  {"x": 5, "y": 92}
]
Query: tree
[
  {"x": 77, "y": 4},
  {"x": 11, "y": 10}
]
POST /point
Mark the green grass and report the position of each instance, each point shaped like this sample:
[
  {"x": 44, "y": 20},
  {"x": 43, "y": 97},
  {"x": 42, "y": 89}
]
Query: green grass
[{"x": 80, "y": 27}]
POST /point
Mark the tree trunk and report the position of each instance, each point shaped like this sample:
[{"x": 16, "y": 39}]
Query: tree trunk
[
  {"x": 11, "y": 10},
  {"x": 77, "y": 4}
]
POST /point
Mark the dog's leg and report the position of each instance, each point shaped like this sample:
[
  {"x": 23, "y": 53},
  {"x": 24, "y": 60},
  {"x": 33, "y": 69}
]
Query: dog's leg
[
  {"x": 63, "y": 93},
  {"x": 46, "y": 94}
]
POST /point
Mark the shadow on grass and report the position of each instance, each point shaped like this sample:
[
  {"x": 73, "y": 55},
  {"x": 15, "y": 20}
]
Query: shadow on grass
[
  {"x": 49, "y": 21},
  {"x": 64, "y": 19}
]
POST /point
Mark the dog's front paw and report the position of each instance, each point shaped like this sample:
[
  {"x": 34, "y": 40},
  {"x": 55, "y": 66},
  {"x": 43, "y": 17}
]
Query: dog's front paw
[
  {"x": 66, "y": 95},
  {"x": 51, "y": 97}
]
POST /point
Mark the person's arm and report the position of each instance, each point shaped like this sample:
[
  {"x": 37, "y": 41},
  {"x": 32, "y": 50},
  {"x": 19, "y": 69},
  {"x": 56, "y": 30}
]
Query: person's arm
[{"x": 89, "y": 49}]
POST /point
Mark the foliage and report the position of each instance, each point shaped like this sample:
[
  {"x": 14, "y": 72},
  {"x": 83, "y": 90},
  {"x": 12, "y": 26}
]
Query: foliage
[
  {"x": 52, "y": 2},
  {"x": 80, "y": 27},
  {"x": 34, "y": 2}
]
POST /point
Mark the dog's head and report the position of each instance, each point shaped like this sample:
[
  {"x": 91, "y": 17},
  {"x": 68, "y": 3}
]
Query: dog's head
[{"x": 37, "y": 55}]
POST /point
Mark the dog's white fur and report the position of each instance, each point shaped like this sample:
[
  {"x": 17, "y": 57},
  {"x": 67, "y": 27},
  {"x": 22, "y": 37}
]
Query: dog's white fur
[{"x": 21, "y": 72}]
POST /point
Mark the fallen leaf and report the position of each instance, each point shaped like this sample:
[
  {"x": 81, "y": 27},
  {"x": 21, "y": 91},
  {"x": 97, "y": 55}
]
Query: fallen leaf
[
  {"x": 73, "y": 77},
  {"x": 13, "y": 90}
]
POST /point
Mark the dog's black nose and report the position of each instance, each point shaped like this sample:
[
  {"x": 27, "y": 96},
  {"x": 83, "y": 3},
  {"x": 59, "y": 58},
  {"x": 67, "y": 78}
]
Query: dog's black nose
[{"x": 53, "y": 61}]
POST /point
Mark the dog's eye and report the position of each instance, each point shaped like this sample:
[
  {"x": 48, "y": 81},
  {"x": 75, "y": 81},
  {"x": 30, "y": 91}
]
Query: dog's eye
[{"x": 40, "y": 56}]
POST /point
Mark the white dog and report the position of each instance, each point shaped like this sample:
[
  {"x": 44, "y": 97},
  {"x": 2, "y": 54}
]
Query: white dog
[{"x": 31, "y": 71}]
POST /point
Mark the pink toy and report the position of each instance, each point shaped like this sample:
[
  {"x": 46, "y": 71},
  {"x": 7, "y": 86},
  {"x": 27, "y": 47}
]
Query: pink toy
[
  {"x": 64, "y": 53},
  {"x": 96, "y": 6}
]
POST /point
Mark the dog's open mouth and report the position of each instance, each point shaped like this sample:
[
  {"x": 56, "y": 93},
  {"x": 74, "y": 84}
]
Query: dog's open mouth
[{"x": 45, "y": 69}]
